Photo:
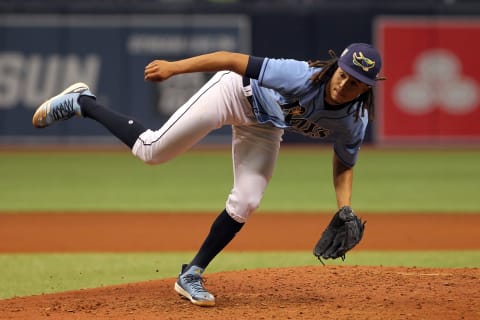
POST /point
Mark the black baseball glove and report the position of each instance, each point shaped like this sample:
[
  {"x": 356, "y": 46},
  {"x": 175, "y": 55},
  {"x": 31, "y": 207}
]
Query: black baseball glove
[{"x": 342, "y": 234}]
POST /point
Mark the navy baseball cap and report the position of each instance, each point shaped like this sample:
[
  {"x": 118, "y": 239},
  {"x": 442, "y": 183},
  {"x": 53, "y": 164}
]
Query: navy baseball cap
[{"x": 362, "y": 61}]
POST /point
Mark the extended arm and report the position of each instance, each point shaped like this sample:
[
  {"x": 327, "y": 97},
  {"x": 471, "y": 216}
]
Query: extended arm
[
  {"x": 159, "y": 70},
  {"x": 342, "y": 181},
  {"x": 345, "y": 230}
]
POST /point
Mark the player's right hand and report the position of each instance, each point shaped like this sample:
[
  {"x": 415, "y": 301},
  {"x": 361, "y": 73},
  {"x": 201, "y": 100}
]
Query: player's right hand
[{"x": 158, "y": 70}]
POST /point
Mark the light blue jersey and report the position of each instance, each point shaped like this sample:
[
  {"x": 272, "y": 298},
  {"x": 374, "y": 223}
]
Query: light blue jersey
[{"x": 285, "y": 96}]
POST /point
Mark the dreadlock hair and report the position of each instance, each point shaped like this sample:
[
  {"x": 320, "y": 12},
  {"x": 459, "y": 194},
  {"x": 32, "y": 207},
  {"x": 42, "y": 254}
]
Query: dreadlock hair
[{"x": 328, "y": 68}]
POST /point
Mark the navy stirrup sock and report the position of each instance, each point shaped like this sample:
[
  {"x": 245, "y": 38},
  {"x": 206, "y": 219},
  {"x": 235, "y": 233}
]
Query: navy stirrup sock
[
  {"x": 223, "y": 230},
  {"x": 124, "y": 128}
]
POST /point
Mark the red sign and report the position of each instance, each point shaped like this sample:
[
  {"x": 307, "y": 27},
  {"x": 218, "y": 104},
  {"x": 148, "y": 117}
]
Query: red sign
[{"x": 432, "y": 91}]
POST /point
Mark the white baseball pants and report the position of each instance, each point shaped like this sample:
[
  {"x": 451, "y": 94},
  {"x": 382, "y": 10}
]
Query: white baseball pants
[{"x": 221, "y": 101}]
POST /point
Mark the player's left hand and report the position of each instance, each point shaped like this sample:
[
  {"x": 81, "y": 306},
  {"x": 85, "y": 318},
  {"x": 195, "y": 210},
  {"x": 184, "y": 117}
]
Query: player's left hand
[{"x": 344, "y": 232}]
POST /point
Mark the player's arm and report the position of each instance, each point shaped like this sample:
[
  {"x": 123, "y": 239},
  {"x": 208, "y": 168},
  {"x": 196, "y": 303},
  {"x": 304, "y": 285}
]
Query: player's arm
[
  {"x": 342, "y": 181},
  {"x": 159, "y": 70}
]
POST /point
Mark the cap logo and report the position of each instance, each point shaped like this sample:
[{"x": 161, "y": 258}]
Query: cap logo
[{"x": 363, "y": 62}]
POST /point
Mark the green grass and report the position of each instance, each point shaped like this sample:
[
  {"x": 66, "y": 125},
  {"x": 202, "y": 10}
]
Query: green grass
[
  {"x": 28, "y": 274},
  {"x": 435, "y": 181},
  {"x": 385, "y": 181}
]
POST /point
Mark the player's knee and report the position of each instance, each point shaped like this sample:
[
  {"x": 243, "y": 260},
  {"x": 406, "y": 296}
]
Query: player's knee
[
  {"x": 241, "y": 208},
  {"x": 146, "y": 154},
  {"x": 148, "y": 149},
  {"x": 153, "y": 160},
  {"x": 252, "y": 205}
]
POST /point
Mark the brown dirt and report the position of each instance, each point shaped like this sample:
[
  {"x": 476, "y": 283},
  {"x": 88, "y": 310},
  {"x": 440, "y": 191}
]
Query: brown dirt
[{"x": 331, "y": 292}]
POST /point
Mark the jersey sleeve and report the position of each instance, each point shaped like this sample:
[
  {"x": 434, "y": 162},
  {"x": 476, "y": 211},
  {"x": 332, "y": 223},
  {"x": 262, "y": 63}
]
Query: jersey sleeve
[
  {"x": 287, "y": 76},
  {"x": 347, "y": 146},
  {"x": 254, "y": 67},
  {"x": 347, "y": 153}
]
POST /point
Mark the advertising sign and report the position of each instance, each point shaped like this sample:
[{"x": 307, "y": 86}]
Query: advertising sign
[
  {"x": 432, "y": 91},
  {"x": 40, "y": 55}
]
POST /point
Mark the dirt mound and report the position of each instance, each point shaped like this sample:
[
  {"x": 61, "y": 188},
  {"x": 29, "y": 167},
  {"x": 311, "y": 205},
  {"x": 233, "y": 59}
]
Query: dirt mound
[{"x": 331, "y": 292}]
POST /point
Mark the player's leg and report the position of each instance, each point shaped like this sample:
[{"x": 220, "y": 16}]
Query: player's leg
[
  {"x": 254, "y": 153},
  {"x": 221, "y": 101},
  {"x": 124, "y": 127},
  {"x": 78, "y": 100},
  {"x": 214, "y": 105}
]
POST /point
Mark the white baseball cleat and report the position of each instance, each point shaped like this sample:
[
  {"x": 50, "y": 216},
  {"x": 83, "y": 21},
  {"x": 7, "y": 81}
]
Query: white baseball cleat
[
  {"x": 190, "y": 286},
  {"x": 62, "y": 106}
]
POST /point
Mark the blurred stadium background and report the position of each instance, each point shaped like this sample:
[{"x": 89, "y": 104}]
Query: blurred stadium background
[{"x": 429, "y": 47}]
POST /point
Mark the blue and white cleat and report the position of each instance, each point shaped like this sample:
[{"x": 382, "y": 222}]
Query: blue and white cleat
[
  {"x": 190, "y": 285},
  {"x": 61, "y": 107}
]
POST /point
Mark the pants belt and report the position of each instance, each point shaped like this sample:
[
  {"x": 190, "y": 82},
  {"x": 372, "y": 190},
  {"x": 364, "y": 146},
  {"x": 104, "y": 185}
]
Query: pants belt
[
  {"x": 247, "y": 89},
  {"x": 246, "y": 81}
]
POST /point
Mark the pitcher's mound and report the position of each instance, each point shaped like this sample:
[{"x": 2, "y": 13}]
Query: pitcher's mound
[{"x": 331, "y": 292}]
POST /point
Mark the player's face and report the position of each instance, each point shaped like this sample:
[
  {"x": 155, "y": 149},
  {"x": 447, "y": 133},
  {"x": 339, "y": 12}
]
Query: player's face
[{"x": 343, "y": 88}]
